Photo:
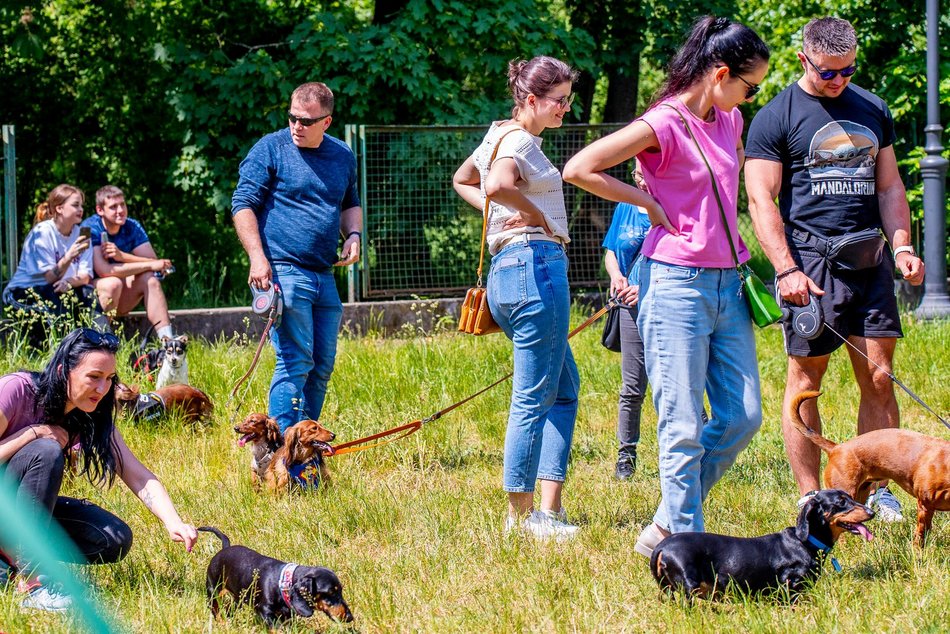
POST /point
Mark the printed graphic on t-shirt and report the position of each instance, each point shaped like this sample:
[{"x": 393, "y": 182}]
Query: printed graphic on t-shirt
[{"x": 841, "y": 160}]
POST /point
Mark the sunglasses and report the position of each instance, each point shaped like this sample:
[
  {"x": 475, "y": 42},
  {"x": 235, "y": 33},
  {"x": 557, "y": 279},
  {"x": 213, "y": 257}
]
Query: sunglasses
[
  {"x": 101, "y": 339},
  {"x": 304, "y": 121},
  {"x": 827, "y": 75},
  {"x": 752, "y": 90},
  {"x": 563, "y": 102}
]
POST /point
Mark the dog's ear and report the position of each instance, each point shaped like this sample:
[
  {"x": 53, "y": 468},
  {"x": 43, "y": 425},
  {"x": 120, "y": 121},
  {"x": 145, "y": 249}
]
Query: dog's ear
[
  {"x": 303, "y": 596},
  {"x": 805, "y": 516},
  {"x": 272, "y": 431},
  {"x": 292, "y": 443}
]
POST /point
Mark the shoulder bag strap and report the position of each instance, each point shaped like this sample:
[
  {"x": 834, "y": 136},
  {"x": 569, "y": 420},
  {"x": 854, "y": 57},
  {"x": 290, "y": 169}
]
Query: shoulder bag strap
[
  {"x": 712, "y": 177},
  {"x": 481, "y": 257}
]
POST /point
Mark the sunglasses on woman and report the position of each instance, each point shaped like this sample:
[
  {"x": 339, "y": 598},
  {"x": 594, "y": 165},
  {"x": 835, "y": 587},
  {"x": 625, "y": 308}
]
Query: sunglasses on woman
[
  {"x": 101, "y": 339},
  {"x": 827, "y": 75},
  {"x": 752, "y": 90}
]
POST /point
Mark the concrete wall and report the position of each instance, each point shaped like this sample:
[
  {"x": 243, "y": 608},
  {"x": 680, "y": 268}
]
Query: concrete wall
[{"x": 360, "y": 318}]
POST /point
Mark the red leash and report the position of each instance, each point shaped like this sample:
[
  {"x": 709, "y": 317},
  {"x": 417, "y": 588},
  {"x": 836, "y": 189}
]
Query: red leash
[{"x": 361, "y": 444}]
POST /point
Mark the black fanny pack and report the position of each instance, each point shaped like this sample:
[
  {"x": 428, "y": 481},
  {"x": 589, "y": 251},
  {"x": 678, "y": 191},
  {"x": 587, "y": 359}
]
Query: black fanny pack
[{"x": 851, "y": 252}]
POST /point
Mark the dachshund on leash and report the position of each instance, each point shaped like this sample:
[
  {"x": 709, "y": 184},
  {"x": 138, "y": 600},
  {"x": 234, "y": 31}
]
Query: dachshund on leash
[
  {"x": 704, "y": 564},
  {"x": 193, "y": 404},
  {"x": 277, "y": 590},
  {"x": 306, "y": 442},
  {"x": 919, "y": 464},
  {"x": 263, "y": 434}
]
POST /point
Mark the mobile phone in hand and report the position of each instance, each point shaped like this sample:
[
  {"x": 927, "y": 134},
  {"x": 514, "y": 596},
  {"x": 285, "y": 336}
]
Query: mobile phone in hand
[
  {"x": 104, "y": 237},
  {"x": 85, "y": 232}
]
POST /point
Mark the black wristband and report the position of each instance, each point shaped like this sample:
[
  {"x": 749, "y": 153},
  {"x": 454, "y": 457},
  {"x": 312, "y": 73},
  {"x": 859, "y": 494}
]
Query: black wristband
[
  {"x": 787, "y": 272},
  {"x": 354, "y": 233}
]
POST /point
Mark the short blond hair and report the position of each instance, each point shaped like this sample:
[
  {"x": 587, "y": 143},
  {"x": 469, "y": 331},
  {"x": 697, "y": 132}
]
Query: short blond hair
[{"x": 829, "y": 36}]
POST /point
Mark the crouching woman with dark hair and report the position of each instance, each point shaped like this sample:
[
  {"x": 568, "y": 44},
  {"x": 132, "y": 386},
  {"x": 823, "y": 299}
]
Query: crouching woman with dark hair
[{"x": 71, "y": 402}]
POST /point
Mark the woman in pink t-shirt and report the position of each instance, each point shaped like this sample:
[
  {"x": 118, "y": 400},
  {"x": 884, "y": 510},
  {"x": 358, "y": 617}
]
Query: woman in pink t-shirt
[
  {"x": 696, "y": 329},
  {"x": 71, "y": 403}
]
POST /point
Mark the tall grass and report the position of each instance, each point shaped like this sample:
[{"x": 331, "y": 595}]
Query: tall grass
[{"x": 414, "y": 528}]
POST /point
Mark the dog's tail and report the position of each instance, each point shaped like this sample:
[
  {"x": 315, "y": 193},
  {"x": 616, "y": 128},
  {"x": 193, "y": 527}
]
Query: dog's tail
[
  {"x": 794, "y": 415},
  {"x": 225, "y": 542}
]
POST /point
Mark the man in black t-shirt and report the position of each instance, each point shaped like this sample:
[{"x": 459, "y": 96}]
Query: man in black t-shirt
[{"x": 824, "y": 148}]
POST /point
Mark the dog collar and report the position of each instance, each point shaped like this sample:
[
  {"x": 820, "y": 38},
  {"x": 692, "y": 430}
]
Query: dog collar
[
  {"x": 825, "y": 549},
  {"x": 286, "y": 582}
]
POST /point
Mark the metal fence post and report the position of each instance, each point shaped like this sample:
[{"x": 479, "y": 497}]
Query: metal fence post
[
  {"x": 352, "y": 282},
  {"x": 933, "y": 169},
  {"x": 9, "y": 196}
]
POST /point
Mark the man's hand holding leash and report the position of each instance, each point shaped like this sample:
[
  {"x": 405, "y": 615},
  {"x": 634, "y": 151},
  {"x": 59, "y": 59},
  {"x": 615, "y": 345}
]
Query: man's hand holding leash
[
  {"x": 351, "y": 249},
  {"x": 795, "y": 286}
]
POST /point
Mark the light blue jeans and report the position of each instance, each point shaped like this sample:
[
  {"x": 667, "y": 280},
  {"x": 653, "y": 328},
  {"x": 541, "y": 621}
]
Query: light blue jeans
[
  {"x": 698, "y": 338},
  {"x": 305, "y": 342},
  {"x": 529, "y": 298}
]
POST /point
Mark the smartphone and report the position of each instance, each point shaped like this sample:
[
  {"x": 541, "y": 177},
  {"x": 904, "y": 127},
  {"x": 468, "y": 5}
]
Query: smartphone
[
  {"x": 104, "y": 237},
  {"x": 85, "y": 232}
]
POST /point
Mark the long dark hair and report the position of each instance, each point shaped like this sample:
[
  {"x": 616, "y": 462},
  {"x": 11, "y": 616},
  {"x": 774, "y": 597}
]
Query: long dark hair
[
  {"x": 92, "y": 430},
  {"x": 712, "y": 41}
]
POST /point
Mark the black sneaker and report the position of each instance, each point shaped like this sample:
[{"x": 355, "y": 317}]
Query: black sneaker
[{"x": 625, "y": 468}]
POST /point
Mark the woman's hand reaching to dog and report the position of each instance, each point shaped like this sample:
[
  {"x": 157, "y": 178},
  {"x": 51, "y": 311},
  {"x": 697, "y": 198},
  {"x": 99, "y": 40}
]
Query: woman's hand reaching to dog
[{"x": 182, "y": 532}]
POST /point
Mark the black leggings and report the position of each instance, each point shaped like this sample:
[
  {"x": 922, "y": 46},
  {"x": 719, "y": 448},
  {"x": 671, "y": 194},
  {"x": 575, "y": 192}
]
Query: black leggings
[{"x": 36, "y": 472}]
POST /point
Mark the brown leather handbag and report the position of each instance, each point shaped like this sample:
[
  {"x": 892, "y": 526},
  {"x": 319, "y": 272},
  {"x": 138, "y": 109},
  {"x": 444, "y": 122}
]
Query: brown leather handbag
[{"x": 475, "y": 317}]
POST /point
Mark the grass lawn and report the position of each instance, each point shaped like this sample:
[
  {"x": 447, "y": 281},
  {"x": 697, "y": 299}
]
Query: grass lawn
[{"x": 414, "y": 528}]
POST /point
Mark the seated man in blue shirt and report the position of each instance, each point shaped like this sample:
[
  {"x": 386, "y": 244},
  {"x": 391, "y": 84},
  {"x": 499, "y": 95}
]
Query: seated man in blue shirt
[{"x": 126, "y": 267}]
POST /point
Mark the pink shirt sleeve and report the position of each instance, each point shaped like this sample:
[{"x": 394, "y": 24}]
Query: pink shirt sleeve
[{"x": 16, "y": 402}]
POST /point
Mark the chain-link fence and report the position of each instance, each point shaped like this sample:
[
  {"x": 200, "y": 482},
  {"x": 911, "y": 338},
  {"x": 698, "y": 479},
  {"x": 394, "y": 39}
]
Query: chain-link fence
[{"x": 420, "y": 238}]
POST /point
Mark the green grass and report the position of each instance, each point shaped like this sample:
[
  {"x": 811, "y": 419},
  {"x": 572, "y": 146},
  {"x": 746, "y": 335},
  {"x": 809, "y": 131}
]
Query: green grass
[{"x": 414, "y": 528}]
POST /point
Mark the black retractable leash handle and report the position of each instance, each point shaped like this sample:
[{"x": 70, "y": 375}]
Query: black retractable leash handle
[{"x": 808, "y": 322}]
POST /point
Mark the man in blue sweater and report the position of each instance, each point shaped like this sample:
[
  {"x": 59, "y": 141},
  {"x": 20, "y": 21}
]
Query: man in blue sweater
[{"x": 297, "y": 193}]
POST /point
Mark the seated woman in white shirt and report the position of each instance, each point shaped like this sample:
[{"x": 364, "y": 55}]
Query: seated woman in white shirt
[{"x": 55, "y": 269}]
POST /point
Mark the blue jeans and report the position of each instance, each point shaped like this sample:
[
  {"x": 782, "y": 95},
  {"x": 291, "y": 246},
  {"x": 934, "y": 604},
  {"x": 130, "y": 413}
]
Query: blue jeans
[
  {"x": 305, "y": 342},
  {"x": 529, "y": 298},
  {"x": 698, "y": 338}
]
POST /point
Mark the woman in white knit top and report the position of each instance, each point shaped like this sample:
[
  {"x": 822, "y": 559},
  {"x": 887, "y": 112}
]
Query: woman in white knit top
[{"x": 528, "y": 291}]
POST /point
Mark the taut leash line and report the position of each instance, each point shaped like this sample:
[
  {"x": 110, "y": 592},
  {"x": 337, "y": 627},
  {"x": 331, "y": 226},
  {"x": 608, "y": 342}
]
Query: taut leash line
[
  {"x": 361, "y": 444},
  {"x": 890, "y": 376},
  {"x": 271, "y": 320}
]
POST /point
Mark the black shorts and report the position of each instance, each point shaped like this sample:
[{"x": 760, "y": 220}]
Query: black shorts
[{"x": 855, "y": 303}]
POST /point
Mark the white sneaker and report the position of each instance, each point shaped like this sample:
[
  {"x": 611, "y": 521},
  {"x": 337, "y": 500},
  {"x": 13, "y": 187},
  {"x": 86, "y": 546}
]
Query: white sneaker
[
  {"x": 886, "y": 507},
  {"x": 50, "y": 598},
  {"x": 803, "y": 499},
  {"x": 648, "y": 540},
  {"x": 543, "y": 525}
]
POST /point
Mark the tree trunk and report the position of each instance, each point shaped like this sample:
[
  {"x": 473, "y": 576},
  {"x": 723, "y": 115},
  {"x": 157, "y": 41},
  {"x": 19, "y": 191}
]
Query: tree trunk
[{"x": 621, "y": 106}]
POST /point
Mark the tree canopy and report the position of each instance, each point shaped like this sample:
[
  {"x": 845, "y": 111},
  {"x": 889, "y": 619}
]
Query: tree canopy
[{"x": 164, "y": 97}]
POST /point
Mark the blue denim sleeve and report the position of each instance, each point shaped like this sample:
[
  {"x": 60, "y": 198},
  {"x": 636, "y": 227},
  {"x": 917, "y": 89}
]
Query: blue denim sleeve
[{"x": 254, "y": 178}]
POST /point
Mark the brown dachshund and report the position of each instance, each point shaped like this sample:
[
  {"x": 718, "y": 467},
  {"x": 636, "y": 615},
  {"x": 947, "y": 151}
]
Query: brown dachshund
[
  {"x": 263, "y": 433},
  {"x": 307, "y": 441},
  {"x": 919, "y": 464},
  {"x": 193, "y": 404}
]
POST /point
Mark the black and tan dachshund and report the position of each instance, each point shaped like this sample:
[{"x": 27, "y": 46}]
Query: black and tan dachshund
[
  {"x": 277, "y": 590},
  {"x": 704, "y": 564}
]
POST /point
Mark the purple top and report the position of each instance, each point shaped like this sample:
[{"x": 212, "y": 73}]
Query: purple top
[{"x": 17, "y": 394}]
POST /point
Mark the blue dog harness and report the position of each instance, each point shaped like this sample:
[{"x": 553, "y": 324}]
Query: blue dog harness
[{"x": 825, "y": 549}]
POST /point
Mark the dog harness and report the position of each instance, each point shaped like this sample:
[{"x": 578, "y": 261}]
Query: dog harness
[
  {"x": 825, "y": 549},
  {"x": 285, "y": 583},
  {"x": 149, "y": 407}
]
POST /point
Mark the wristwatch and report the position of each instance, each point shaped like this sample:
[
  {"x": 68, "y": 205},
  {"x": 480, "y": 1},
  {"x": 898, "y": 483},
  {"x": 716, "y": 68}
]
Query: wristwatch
[{"x": 904, "y": 249}]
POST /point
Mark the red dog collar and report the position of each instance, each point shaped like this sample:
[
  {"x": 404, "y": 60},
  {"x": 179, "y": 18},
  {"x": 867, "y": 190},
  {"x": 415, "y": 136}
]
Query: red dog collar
[{"x": 286, "y": 582}]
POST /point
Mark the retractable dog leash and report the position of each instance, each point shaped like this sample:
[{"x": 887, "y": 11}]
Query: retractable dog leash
[
  {"x": 809, "y": 322},
  {"x": 362, "y": 444},
  {"x": 271, "y": 304}
]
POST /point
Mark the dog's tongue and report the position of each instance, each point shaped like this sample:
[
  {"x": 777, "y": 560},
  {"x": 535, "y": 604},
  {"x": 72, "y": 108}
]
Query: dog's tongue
[
  {"x": 864, "y": 532},
  {"x": 243, "y": 439}
]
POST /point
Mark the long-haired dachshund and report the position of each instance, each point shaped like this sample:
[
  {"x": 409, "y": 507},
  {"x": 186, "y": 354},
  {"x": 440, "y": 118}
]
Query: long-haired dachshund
[
  {"x": 919, "y": 464},
  {"x": 704, "y": 564},
  {"x": 277, "y": 590},
  {"x": 263, "y": 434},
  {"x": 306, "y": 442},
  {"x": 193, "y": 404}
]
